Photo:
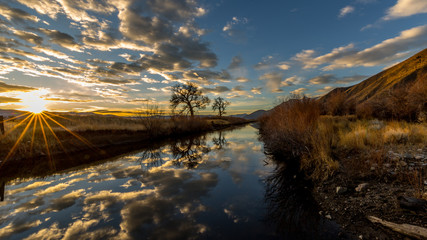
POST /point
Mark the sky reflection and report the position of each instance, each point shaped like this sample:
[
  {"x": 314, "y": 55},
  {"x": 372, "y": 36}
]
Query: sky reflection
[{"x": 193, "y": 188}]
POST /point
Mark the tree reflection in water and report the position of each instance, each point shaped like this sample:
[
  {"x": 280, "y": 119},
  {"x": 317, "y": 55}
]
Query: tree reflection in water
[
  {"x": 220, "y": 141},
  {"x": 189, "y": 152},
  {"x": 151, "y": 158},
  {"x": 292, "y": 208}
]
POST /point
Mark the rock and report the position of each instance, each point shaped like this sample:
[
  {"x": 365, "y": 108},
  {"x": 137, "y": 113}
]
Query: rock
[
  {"x": 412, "y": 203},
  {"x": 403, "y": 163},
  {"x": 361, "y": 187},
  {"x": 341, "y": 190},
  {"x": 328, "y": 216}
]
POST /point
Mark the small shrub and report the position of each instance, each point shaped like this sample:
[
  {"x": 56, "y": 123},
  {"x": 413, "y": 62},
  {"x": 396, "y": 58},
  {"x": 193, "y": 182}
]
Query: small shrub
[{"x": 396, "y": 135}]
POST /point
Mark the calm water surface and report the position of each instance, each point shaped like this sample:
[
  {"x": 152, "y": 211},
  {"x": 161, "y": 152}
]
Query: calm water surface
[{"x": 213, "y": 187}]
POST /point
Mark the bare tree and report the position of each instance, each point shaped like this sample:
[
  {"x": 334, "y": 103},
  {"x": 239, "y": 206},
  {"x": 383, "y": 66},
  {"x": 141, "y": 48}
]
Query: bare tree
[
  {"x": 189, "y": 96},
  {"x": 220, "y": 104}
]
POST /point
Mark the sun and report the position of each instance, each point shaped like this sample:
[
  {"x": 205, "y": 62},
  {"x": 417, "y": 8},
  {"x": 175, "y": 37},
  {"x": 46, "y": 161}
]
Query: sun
[{"x": 33, "y": 102}]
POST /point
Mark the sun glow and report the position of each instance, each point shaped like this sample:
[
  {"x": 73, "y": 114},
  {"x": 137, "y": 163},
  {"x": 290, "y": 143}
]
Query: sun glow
[{"x": 33, "y": 101}]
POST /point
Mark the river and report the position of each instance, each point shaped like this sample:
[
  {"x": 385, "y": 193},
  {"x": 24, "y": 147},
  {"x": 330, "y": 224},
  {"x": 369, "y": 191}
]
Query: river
[{"x": 217, "y": 186}]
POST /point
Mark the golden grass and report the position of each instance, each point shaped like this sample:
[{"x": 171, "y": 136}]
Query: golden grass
[
  {"x": 66, "y": 132},
  {"x": 287, "y": 132}
]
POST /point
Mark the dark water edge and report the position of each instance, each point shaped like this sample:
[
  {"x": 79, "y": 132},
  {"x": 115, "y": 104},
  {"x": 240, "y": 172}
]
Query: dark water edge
[{"x": 293, "y": 209}]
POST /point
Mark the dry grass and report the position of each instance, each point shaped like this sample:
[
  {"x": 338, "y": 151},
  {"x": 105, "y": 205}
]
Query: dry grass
[
  {"x": 364, "y": 134},
  {"x": 296, "y": 131},
  {"x": 293, "y": 132},
  {"x": 80, "y": 132}
]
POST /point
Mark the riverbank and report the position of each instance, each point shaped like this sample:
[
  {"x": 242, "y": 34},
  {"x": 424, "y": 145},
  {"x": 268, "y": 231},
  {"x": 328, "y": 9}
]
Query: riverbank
[
  {"x": 76, "y": 141},
  {"x": 359, "y": 167}
]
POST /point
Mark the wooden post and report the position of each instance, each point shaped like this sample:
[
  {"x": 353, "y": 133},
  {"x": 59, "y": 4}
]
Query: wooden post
[
  {"x": 2, "y": 191},
  {"x": 1, "y": 124}
]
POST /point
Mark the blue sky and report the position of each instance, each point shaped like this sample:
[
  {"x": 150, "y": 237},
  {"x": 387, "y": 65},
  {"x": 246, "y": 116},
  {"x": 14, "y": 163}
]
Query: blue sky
[{"x": 119, "y": 55}]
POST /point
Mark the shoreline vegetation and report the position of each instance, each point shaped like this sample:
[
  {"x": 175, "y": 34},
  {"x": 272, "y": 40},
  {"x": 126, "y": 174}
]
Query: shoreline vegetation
[
  {"x": 359, "y": 166},
  {"x": 85, "y": 139}
]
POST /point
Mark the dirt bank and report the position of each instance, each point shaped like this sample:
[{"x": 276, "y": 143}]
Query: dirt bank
[{"x": 375, "y": 190}]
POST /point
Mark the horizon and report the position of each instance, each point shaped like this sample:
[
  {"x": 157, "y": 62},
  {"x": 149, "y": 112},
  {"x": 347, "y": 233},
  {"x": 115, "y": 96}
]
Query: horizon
[{"x": 111, "y": 56}]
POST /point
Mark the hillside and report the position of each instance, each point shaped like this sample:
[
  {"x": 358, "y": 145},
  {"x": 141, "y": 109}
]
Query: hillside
[
  {"x": 399, "y": 92},
  {"x": 404, "y": 74}
]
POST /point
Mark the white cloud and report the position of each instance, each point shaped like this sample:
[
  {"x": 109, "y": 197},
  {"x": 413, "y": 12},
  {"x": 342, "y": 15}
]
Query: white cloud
[
  {"x": 345, "y": 11},
  {"x": 284, "y": 65},
  {"x": 406, "y": 8},
  {"x": 274, "y": 80},
  {"x": 234, "y": 21},
  {"x": 290, "y": 81},
  {"x": 298, "y": 91},
  {"x": 383, "y": 53}
]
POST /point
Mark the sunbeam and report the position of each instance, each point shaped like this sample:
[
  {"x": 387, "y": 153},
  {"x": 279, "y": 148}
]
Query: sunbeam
[
  {"x": 39, "y": 116},
  {"x": 12, "y": 150},
  {"x": 40, "y": 121}
]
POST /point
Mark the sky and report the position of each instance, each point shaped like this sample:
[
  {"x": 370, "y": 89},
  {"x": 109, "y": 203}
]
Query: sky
[{"x": 114, "y": 56}]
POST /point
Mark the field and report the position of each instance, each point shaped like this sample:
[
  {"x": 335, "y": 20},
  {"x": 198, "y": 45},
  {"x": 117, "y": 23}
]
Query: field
[{"x": 49, "y": 134}]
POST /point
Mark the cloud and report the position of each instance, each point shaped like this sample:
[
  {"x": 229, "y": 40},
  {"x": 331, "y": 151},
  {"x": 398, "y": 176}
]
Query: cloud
[
  {"x": 284, "y": 65},
  {"x": 4, "y": 87},
  {"x": 383, "y": 53},
  {"x": 18, "y": 225},
  {"x": 406, "y": 8},
  {"x": 217, "y": 89},
  {"x": 324, "y": 90},
  {"x": 273, "y": 79},
  {"x": 298, "y": 91},
  {"x": 306, "y": 57},
  {"x": 230, "y": 27},
  {"x": 345, "y": 11},
  {"x": 65, "y": 201},
  {"x": 56, "y": 188},
  {"x": 176, "y": 10},
  {"x": 290, "y": 81},
  {"x": 351, "y": 79},
  {"x": 331, "y": 78},
  {"x": 256, "y": 90},
  {"x": 147, "y": 29},
  {"x": 28, "y": 37},
  {"x": 15, "y": 14},
  {"x": 242, "y": 79},
  {"x": 236, "y": 62},
  {"x": 322, "y": 79},
  {"x": 205, "y": 76},
  {"x": 45, "y": 7},
  {"x": 62, "y": 39},
  {"x": 265, "y": 63},
  {"x": 9, "y": 99}
]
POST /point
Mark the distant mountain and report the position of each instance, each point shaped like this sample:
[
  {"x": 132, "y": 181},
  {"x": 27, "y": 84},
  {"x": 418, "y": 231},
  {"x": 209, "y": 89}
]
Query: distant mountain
[
  {"x": 10, "y": 113},
  {"x": 255, "y": 115},
  {"x": 403, "y": 75}
]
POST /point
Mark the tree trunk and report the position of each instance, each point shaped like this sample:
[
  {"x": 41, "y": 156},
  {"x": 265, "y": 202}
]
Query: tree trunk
[
  {"x": 191, "y": 110},
  {"x": 1, "y": 124},
  {"x": 406, "y": 229}
]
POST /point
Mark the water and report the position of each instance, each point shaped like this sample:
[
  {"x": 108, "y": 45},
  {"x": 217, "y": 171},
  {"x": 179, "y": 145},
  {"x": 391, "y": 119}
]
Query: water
[{"x": 213, "y": 187}]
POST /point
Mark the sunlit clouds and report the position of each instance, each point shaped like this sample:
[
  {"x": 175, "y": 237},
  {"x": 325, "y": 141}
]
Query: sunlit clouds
[
  {"x": 405, "y": 8},
  {"x": 117, "y": 52}
]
